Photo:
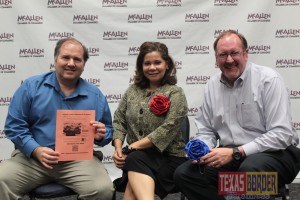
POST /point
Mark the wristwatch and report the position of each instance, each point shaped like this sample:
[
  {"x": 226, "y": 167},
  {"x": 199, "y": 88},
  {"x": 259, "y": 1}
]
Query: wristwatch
[{"x": 237, "y": 155}]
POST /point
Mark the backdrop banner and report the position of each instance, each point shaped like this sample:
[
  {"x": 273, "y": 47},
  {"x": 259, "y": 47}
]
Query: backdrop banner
[{"x": 113, "y": 30}]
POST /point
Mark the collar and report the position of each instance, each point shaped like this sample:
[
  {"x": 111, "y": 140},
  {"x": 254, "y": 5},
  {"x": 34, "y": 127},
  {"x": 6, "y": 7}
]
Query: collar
[
  {"x": 80, "y": 90},
  {"x": 240, "y": 80}
]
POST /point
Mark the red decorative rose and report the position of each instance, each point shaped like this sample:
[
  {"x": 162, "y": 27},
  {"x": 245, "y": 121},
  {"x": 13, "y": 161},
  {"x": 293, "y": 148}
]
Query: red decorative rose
[{"x": 159, "y": 104}]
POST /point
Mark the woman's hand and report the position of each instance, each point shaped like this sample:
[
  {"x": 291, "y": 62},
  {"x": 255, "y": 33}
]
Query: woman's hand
[{"x": 119, "y": 158}]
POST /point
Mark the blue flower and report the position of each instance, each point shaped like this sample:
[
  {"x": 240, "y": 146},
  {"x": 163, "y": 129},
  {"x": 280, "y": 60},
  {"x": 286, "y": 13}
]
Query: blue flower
[{"x": 195, "y": 149}]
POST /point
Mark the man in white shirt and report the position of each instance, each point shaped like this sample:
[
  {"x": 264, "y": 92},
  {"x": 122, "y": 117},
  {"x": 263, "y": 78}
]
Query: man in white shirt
[{"x": 246, "y": 108}]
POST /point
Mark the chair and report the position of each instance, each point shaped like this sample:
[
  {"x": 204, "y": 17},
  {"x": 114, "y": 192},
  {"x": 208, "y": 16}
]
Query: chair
[
  {"x": 55, "y": 190},
  {"x": 283, "y": 192},
  {"x": 51, "y": 190},
  {"x": 185, "y": 131}
]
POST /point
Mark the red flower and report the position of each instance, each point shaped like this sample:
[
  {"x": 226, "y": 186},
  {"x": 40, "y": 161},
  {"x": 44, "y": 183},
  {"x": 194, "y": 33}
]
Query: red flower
[{"x": 159, "y": 104}]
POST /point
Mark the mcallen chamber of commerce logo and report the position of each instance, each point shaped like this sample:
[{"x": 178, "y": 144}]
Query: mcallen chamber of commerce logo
[
  {"x": 294, "y": 94},
  {"x": 225, "y": 2},
  {"x": 287, "y": 63},
  {"x": 168, "y": 3},
  {"x": 287, "y": 33},
  {"x": 131, "y": 80},
  {"x": 140, "y": 18},
  {"x": 192, "y": 112},
  {"x": 114, "y": 3},
  {"x": 202, "y": 79},
  {"x": 169, "y": 34},
  {"x": 2, "y": 134},
  {"x": 31, "y": 52},
  {"x": 7, "y": 37},
  {"x": 259, "y": 17},
  {"x": 296, "y": 125},
  {"x": 197, "y": 17},
  {"x": 51, "y": 67},
  {"x": 113, "y": 98},
  {"x": 217, "y": 32},
  {"x": 247, "y": 185},
  {"x": 7, "y": 68},
  {"x": 30, "y": 19},
  {"x": 93, "y": 51},
  {"x": 115, "y": 35},
  {"x": 55, "y": 36},
  {"x": 259, "y": 49},
  {"x": 116, "y": 66},
  {"x": 107, "y": 159},
  {"x": 5, "y": 101},
  {"x": 85, "y": 19},
  {"x": 60, "y": 3},
  {"x": 197, "y": 49},
  {"x": 178, "y": 64},
  {"x": 287, "y": 2},
  {"x": 94, "y": 81},
  {"x": 6, "y": 3},
  {"x": 133, "y": 51}
]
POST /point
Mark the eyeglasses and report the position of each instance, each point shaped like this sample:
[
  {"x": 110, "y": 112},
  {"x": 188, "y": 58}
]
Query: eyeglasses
[{"x": 233, "y": 55}]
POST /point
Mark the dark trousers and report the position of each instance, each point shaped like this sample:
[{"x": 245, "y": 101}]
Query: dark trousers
[{"x": 204, "y": 186}]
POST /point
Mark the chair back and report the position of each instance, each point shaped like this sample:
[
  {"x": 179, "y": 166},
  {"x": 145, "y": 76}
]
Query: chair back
[
  {"x": 185, "y": 129},
  {"x": 185, "y": 133}
]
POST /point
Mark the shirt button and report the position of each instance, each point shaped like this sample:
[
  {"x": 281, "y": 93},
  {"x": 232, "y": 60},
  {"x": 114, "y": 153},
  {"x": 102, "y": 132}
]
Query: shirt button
[
  {"x": 141, "y": 111},
  {"x": 141, "y": 133}
]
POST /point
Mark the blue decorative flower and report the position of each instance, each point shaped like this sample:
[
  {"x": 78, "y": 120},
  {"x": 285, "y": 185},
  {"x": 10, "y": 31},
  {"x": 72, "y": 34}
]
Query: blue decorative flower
[{"x": 195, "y": 149}]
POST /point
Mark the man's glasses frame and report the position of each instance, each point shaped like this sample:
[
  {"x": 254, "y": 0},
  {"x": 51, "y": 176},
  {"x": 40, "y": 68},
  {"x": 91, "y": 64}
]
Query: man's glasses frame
[{"x": 233, "y": 55}]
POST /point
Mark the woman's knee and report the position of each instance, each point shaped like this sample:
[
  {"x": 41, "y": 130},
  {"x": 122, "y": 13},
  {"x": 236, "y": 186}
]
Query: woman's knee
[{"x": 135, "y": 157}]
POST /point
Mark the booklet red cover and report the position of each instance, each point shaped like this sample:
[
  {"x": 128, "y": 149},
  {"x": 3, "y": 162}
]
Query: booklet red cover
[{"x": 74, "y": 134}]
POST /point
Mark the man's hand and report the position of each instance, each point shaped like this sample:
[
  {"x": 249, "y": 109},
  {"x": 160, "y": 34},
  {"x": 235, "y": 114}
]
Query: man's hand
[
  {"x": 99, "y": 130},
  {"x": 46, "y": 156},
  {"x": 217, "y": 157}
]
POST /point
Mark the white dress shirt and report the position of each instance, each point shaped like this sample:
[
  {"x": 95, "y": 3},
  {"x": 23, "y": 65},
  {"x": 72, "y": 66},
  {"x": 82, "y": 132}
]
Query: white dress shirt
[{"x": 255, "y": 113}]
